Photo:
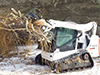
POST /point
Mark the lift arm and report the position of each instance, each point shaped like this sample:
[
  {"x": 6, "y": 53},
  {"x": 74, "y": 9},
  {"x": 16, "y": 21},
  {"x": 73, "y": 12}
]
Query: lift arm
[{"x": 72, "y": 25}]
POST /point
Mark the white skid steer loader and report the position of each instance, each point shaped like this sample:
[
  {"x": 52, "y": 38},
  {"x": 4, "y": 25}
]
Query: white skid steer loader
[{"x": 73, "y": 46}]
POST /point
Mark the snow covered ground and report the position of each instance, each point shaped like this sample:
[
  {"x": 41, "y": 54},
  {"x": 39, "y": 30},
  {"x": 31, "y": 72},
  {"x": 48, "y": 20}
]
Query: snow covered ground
[{"x": 18, "y": 65}]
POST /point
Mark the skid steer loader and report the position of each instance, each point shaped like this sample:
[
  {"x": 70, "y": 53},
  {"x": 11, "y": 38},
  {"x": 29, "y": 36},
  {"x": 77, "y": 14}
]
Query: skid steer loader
[{"x": 72, "y": 46}]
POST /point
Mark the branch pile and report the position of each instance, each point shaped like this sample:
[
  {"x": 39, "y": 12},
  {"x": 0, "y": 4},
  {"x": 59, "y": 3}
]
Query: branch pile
[{"x": 17, "y": 29}]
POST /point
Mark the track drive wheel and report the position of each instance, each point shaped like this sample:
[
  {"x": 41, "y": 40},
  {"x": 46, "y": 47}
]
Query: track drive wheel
[{"x": 85, "y": 56}]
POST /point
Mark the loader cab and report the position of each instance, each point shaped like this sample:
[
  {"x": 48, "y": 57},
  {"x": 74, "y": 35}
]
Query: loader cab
[
  {"x": 68, "y": 39},
  {"x": 65, "y": 39}
]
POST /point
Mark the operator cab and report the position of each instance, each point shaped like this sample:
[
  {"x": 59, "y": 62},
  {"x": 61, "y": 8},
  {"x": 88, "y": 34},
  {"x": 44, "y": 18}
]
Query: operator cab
[{"x": 67, "y": 39}]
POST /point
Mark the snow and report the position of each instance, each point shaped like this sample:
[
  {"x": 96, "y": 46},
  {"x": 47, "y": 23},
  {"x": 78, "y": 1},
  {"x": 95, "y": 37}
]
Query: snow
[{"x": 18, "y": 65}]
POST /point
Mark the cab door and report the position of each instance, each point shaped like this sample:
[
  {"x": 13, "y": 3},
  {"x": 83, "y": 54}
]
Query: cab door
[{"x": 65, "y": 39}]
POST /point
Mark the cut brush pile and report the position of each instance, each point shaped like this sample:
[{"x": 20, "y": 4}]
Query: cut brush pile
[{"x": 16, "y": 29}]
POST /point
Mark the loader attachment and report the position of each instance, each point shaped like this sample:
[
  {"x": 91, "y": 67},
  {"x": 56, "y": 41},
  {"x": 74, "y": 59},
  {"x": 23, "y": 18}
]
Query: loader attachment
[{"x": 77, "y": 61}]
